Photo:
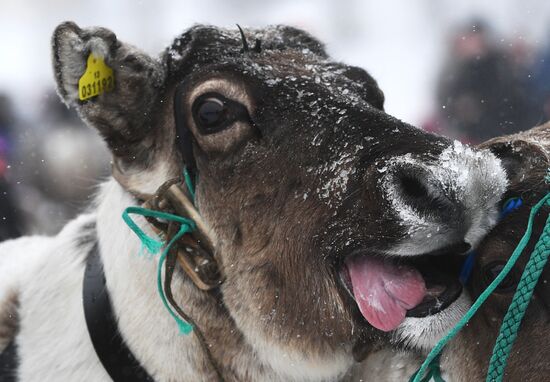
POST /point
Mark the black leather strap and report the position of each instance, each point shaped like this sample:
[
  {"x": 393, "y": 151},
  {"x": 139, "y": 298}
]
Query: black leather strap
[
  {"x": 112, "y": 351},
  {"x": 8, "y": 363}
]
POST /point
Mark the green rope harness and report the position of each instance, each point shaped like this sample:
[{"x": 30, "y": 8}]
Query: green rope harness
[
  {"x": 433, "y": 371},
  {"x": 153, "y": 246},
  {"x": 516, "y": 311}
]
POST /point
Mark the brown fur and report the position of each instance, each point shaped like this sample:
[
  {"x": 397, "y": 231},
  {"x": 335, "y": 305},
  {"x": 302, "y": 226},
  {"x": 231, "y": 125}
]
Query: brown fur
[
  {"x": 466, "y": 359},
  {"x": 8, "y": 319}
]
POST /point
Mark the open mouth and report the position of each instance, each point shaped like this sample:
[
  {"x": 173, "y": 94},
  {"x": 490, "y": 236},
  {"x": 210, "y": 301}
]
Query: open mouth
[{"x": 389, "y": 289}]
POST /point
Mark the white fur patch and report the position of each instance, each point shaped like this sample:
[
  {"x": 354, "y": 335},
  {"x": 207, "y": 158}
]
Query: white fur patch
[
  {"x": 53, "y": 342},
  {"x": 293, "y": 366},
  {"x": 17, "y": 257},
  {"x": 389, "y": 365},
  {"x": 423, "y": 333},
  {"x": 479, "y": 181}
]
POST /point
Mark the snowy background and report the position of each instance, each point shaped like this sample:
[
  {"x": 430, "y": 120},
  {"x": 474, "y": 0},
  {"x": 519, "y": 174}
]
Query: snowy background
[
  {"x": 403, "y": 44},
  {"x": 400, "y": 42}
]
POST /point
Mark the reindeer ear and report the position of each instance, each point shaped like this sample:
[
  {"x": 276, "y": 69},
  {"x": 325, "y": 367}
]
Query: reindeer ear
[
  {"x": 523, "y": 155},
  {"x": 123, "y": 115}
]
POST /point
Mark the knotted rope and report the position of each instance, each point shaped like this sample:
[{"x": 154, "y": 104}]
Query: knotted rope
[
  {"x": 154, "y": 246},
  {"x": 518, "y": 307}
]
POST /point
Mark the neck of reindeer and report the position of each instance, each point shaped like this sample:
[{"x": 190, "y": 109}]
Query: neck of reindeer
[
  {"x": 466, "y": 358},
  {"x": 144, "y": 323}
]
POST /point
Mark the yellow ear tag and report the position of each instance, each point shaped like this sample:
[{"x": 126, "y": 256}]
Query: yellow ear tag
[{"x": 97, "y": 79}]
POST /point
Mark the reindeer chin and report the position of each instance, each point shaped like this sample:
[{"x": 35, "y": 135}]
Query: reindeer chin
[{"x": 422, "y": 333}]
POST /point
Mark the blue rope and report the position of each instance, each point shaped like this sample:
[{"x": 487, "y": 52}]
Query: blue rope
[{"x": 510, "y": 206}]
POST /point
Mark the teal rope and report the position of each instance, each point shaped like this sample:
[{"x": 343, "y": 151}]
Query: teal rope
[
  {"x": 184, "y": 326},
  {"x": 189, "y": 183},
  {"x": 516, "y": 310},
  {"x": 154, "y": 246},
  {"x": 432, "y": 360},
  {"x": 433, "y": 371}
]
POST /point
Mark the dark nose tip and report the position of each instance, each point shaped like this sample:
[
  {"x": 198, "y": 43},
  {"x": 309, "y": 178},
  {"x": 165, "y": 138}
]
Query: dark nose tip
[{"x": 420, "y": 190}]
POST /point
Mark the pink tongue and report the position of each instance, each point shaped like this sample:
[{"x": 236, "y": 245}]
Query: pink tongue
[{"x": 385, "y": 291}]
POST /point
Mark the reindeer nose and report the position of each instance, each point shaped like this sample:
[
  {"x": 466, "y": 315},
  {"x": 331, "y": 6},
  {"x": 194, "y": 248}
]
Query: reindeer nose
[{"x": 451, "y": 199}]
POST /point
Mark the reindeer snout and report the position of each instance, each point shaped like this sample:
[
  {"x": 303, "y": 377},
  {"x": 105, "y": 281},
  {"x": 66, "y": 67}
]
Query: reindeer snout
[{"x": 451, "y": 200}]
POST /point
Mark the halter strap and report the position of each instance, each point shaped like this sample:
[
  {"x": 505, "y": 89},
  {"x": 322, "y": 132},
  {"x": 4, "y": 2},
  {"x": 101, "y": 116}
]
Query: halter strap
[
  {"x": 111, "y": 349},
  {"x": 184, "y": 138},
  {"x": 8, "y": 363}
]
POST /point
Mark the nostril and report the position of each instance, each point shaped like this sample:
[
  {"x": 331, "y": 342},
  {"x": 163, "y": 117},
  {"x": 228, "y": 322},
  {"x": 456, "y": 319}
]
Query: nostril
[
  {"x": 412, "y": 187},
  {"x": 418, "y": 190}
]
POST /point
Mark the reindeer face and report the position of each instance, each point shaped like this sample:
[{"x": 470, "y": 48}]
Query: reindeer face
[
  {"x": 526, "y": 159},
  {"x": 327, "y": 212}
]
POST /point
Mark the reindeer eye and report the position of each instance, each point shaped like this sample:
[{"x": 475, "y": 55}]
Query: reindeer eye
[
  {"x": 213, "y": 113},
  {"x": 210, "y": 114},
  {"x": 492, "y": 270}
]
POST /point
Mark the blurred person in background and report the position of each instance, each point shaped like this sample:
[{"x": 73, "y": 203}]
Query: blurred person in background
[
  {"x": 484, "y": 89},
  {"x": 10, "y": 219},
  {"x": 541, "y": 75}
]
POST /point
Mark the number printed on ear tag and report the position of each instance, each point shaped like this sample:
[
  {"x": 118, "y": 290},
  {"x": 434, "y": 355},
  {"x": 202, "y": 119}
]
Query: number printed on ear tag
[{"x": 97, "y": 79}]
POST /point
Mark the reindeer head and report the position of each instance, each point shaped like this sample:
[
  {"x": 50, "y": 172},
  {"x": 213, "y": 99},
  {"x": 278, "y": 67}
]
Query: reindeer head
[
  {"x": 527, "y": 159},
  {"x": 325, "y": 211}
]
